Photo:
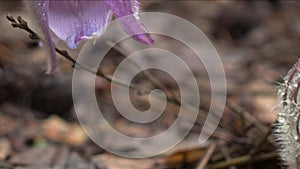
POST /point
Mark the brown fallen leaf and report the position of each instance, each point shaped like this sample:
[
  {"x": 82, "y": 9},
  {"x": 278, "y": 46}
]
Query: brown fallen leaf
[
  {"x": 115, "y": 162},
  {"x": 5, "y": 148},
  {"x": 56, "y": 129}
]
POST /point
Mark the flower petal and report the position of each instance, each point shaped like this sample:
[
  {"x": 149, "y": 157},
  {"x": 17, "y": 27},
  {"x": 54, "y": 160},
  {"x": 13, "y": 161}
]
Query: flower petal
[
  {"x": 41, "y": 9},
  {"x": 73, "y": 21},
  {"x": 132, "y": 24}
]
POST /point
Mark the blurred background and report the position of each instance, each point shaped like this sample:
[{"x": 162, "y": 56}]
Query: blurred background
[{"x": 258, "y": 42}]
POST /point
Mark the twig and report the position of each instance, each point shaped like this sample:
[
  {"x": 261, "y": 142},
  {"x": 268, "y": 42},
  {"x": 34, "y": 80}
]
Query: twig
[
  {"x": 243, "y": 160},
  {"x": 226, "y": 153},
  {"x": 207, "y": 156},
  {"x": 22, "y": 24}
]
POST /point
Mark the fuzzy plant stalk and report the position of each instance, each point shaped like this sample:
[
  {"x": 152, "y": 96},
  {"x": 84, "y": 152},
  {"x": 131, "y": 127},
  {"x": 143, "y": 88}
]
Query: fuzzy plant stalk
[{"x": 287, "y": 126}]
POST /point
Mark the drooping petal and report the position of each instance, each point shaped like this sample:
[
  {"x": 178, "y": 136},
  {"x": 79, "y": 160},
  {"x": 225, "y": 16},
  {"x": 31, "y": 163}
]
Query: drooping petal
[
  {"x": 132, "y": 24},
  {"x": 76, "y": 20},
  {"x": 41, "y": 8}
]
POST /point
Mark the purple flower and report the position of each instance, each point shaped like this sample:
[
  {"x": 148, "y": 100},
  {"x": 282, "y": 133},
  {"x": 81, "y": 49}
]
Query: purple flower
[{"x": 75, "y": 20}]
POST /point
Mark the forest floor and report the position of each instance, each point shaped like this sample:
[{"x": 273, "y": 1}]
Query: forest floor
[{"x": 257, "y": 41}]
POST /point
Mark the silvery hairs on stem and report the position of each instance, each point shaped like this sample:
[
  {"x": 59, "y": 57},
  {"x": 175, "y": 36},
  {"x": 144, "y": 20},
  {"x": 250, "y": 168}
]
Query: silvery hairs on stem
[{"x": 287, "y": 126}]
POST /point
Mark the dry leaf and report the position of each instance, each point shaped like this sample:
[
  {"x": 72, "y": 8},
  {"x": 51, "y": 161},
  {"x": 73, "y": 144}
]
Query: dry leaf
[{"x": 57, "y": 129}]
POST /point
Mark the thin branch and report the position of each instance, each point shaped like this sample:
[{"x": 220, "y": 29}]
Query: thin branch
[
  {"x": 207, "y": 156},
  {"x": 225, "y": 151},
  {"x": 243, "y": 160},
  {"x": 22, "y": 24}
]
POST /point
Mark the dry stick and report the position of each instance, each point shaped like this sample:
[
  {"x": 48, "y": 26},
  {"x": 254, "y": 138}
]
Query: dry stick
[
  {"x": 22, "y": 24},
  {"x": 207, "y": 156},
  {"x": 233, "y": 149},
  {"x": 226, "y": 153},
  {"x": 98, "y": 73},
  {"x": 243, "y": 160}
]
